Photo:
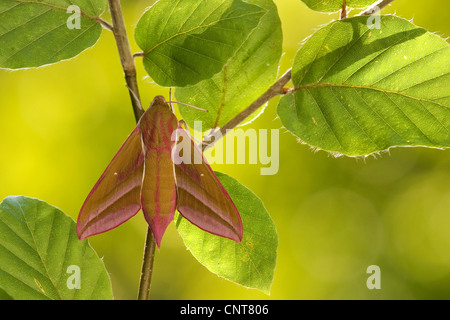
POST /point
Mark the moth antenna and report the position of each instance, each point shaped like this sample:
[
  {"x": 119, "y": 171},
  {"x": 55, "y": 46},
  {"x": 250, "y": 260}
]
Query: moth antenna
[{"x": 188, "y": 105}]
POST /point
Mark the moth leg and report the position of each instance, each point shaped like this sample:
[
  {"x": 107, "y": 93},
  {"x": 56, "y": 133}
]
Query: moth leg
[
  {"x": 135, "y": 97},
  {"x": 170, "y": 100},
  {"x": 210, "y": 139},
  {"x": 183, "y": 124}
]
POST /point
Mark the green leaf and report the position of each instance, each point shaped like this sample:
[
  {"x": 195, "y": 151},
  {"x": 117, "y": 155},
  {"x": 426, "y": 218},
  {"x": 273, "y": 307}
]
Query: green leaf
[
  {"x": 360, "y": 90},
  {"x": 34, "y": 33},
  {"x": 247, "y": 75},
  {"x": 335, "y": 5},
  {"x": 250, "y": 263},
  {"x": 187, "y": 41},
  {"x": 39, "y": 249},
  {"x": 4, "y": 295}
]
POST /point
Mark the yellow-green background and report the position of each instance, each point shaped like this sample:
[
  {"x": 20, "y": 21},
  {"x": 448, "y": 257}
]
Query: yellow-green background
[{"x": 60, "y": 125}]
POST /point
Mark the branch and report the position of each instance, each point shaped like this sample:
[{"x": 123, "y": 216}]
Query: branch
[
  {"x": 377, "y": 6},
  {"x": 126, "y": 57},
  {"x": 129, "y": 68},
  {"x": 147, "y": 266},
  {"x": 275, "y": 90}
]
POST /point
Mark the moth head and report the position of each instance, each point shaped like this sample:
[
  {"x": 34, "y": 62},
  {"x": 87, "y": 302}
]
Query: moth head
[{"x": 159, "y": 100}]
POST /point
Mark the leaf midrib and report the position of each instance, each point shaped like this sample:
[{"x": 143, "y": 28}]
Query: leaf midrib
[
  {"x": 353, "y": 86},
  {"x": 43, "y": 261},
  {"x": 196, "y": 28}
]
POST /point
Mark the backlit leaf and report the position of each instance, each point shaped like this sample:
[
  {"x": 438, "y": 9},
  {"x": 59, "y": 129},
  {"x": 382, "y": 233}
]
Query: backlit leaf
[
  {"x": 360, "y": 90},
  {"x": 40, "y": 252},
  {"x": 251, "y": 262},
  {"x": 335, "y": 5},
  {"x": 34, "y": 33},
  {"x": 187, "y": 41},
  {"x": 248, "y": 74}
]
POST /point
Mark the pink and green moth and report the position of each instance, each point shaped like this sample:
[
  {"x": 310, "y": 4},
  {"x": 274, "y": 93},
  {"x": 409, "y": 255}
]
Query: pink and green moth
[{"x": 147, "y": 174}]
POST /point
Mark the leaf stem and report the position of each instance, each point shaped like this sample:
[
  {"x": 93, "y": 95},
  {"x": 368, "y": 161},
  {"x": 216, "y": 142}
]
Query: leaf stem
[
  {"x": 138, "y": 54},
  {"x": 105, "y": 23},
  {"x": 275, "y": 90},
  {"x": 129, "y": 69},
  {"x": 343, "y": 12},
  {"x": 374, "y": 8}
]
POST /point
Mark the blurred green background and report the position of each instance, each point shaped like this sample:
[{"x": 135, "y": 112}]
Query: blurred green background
[{"x": 60, "y": 125}]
